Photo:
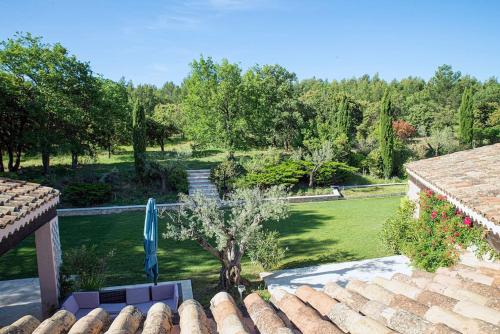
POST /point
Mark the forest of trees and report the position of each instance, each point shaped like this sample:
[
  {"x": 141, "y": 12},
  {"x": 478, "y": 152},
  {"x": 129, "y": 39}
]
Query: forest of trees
[{"x": 52, "y": 103}]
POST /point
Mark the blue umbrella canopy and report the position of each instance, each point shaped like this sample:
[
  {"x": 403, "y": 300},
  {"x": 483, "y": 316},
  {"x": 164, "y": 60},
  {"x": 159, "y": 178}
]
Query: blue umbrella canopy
[{"x": 151, "y": 241}]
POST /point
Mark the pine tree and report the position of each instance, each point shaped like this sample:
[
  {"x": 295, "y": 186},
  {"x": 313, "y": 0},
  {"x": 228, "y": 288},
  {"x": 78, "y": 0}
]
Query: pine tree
[
  {"x": 139, "y": 139},
  {"x": 386, "y": 135},
  {"x": 466, "y": 118}
]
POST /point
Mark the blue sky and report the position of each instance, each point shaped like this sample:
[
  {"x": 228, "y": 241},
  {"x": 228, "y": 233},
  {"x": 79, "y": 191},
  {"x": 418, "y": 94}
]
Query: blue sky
[{"x": 154, "y": 41}]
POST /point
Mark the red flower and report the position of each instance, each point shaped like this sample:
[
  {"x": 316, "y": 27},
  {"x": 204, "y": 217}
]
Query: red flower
[
  {"x": 457, "y": 234},
  {"x": 429, "y": 193},
  {"x": 443, "y": 214},
  {"x": 441, "y": 197},
  {"x": 434, "y": 214},
  {"x": 467, "y": 221},
  {"x": 458, "y": 212}
]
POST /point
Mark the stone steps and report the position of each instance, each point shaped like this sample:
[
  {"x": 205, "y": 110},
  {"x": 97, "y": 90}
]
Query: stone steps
[{"x": 199, "y": 182}]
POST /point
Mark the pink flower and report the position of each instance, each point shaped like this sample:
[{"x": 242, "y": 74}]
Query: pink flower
[
  {"x": 434, "y": 214},
  {"x": 467, "y": 221},
  {"x": 441, "y": 197}
]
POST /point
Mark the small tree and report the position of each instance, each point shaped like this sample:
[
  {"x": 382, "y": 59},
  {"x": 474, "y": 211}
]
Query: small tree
[
  {"x": 226, "y": 234},
  {"x": 403, "y": 130},
  {"x": 139, "y": 139},
  {"x": 317, "y": 158},
  {"x": 466, "y": 118},
  {"x": 386, "y": 135}
]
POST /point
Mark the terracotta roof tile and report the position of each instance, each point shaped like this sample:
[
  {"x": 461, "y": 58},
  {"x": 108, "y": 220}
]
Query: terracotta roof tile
[
  {"x": 361, "y": 307},
  {"x": 472, "y": 177},
  {"x": 20, "y": 198}
]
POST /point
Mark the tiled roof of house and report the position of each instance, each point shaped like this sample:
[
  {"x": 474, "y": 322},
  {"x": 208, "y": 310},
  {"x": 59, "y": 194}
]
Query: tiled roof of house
[
  {"x": 461, "y": 299},
  {"x": 471, "y": 177},
  {"x": 21, "y": 202}
]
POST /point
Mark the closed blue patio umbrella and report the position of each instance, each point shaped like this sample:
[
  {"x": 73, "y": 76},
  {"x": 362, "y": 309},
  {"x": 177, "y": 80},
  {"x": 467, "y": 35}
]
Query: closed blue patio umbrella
[{"x": 151, "y": 241}]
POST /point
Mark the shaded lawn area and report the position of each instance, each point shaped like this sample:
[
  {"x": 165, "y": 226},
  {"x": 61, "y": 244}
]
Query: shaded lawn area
[{"x": 314, "y": 233}]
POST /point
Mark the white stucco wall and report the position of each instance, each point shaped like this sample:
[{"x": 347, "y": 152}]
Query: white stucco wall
[{"x": 413, "y": 194}]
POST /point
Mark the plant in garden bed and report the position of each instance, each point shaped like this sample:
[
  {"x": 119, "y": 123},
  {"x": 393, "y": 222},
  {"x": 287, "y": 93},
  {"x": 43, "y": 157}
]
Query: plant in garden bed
[
  {"x": 83, "y": 269},
  {"x": 436, "y": 237}
]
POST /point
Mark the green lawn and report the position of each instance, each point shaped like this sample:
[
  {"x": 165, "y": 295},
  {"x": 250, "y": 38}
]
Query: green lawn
[{"x": 314, "y": 233}]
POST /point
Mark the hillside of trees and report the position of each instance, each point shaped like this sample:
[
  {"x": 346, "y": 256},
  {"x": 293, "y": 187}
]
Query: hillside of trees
[{"x": 53, "y": 103}]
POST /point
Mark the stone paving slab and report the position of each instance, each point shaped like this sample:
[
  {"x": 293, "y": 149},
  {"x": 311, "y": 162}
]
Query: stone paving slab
[
  {"x": 318, "y": 276},
  {"x": 18, "y": 298}
]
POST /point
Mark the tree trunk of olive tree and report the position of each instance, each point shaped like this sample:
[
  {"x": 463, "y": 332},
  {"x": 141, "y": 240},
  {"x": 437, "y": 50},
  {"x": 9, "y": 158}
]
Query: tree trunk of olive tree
[{"x": 230, "y": 272}]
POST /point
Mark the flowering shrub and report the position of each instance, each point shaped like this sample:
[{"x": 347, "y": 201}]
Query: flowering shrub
[{"x": 434, "y": 239}]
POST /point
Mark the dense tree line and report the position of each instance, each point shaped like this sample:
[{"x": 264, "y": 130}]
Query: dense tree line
[{"x": 51, "y": 102}]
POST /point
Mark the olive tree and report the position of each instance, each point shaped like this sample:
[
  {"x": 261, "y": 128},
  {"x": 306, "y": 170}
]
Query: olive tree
[
  {"x": 317, "y": 157},
  {"x": 226, "y": 233}
]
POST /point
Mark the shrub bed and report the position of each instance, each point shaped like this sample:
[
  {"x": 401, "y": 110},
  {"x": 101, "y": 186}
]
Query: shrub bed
[
  {"x": 436, "y": 237},
  {"x": 290, "y": 173}
]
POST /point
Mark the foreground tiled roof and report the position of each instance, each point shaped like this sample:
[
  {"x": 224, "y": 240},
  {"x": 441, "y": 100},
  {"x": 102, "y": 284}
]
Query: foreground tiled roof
[
  {"x": 471, "y": 177},
  {"x": 462, "y": 299},
  {"x": 21, "y": 202}
]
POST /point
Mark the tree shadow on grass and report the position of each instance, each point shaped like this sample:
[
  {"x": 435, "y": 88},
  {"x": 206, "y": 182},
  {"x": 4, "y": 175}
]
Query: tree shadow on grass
[{"x": 300, "y": 221}]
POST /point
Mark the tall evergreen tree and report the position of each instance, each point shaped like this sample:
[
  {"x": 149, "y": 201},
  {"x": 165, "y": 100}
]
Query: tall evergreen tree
[
  {"x": 466, "y": 118},
  {"x": 344, "y": 118},
  {"x": 139, "y": 138},
  {"x": 386, "y": 135}
]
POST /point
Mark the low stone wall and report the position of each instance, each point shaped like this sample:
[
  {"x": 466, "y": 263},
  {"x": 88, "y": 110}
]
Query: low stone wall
[
  {"x": 313, "y": 198},
  {"x": 107, "y": 210}
]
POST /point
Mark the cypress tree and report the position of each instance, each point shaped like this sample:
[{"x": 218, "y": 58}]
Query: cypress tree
[
  {"x": 386, "y": 135},
  {"x": 344, "y": 119},
  {"x": 466, "y": 118},
  {"x": 139, "y": 139}
]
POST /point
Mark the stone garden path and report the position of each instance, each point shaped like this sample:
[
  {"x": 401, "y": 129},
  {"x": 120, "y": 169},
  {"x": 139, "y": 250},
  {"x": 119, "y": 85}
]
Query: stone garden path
[{"x": 199, "y": 181}]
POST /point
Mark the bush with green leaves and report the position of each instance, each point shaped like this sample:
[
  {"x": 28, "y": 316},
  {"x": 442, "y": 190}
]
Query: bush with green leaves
[
  {"x": 260, "y": 161},
  {"x": 87, "y": 194},
  {"x": 287, "y": 173},
  {"x": 397, "y": 229},
  {"x": 266, "y": 250},
  {"x": 436, "y": 237},
  {"x": 172, "y": 175},
  {"x": 83, "y": 269},
  {"x": 374, "y": 163},
  {"x": 293, "y": 172},
  {"x": 225, "y": 174},
  {"x": 334, "y": 173}
]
